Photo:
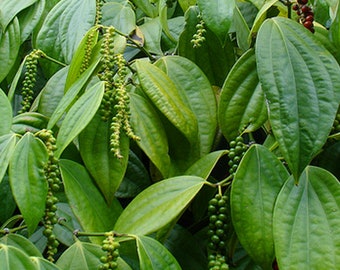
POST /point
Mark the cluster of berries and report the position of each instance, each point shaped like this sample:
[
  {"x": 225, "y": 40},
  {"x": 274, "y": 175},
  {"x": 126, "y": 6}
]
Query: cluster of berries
[
  {"x": 236, "y": 152},
  {"x": 217, "y": 232},
  {"x": 305, "y": 13},
  {"x": 110, "y": 246},
  {"x": 198, "y": 38}
]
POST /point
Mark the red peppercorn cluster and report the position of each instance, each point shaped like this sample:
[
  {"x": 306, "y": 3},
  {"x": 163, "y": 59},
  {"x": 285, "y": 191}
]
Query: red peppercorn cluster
[{"x": 306, "y": 14}]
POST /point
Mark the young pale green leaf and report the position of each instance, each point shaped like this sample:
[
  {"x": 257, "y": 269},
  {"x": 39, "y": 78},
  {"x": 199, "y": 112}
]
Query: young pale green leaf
[
  {"x": 306, "y": 222},
  {"x": 148, "y": 126},
  {"x": 242, "y": 104},
  {"x": 27, "y": 179},
  {"x": 7, "y": 145},
  {"x": 43, "y": 264},
  {"x": 163, "y": 19},
  {"x": 81, "y": 256},
  {"x": 71, "y": 95},
  {"x": 87, "y": 43},
  {"x": 218, "y": 15},
  {"x": 22, "y": 243},
  {"x": 158, "y": 205},
  {"x": 120, "y": 15},
  {"x": 303, "y": 98},
  {"x": 256, "y": 185},
  {"x": 204, "y": 166},
  {"x": 6, "y": 114},
  {"x": 9, "y": 9},
  {"x": 12, "y": 258},
  {"x": 185, "y": 4},
  {"x": 153, "y": 255},
  {"x": 107, "y": 170},
  {"x": 53, "y": 92},
  {"x": 30, "y": 17},
  {"x": 9, "y": 47},
  {"x": 165, "y": 96},
  {"x": 213, "y": 59},
  {"x": 241, "y": 29},
  {"x": 197, "y": 93},
  {"x": 79, "y": 115},
  {"x": 86, "y": 201}
]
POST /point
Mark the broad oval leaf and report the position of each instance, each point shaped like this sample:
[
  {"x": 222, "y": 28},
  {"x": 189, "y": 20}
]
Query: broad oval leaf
[
  {"x": 27, "y": 179},
  {"x": 153, "y": 255},
  {"x": 81, "y": 256},
  {"x": 9, "y": 47},
  {"x": 86, "y": 201},
  {"x": 148, "y": 126},
  {"x": 306, "y": 222},
  {"x": 242, "y": 106},
  {"x": 43, "y": 264},
  {"x": 158, "y": 205},
  {"x": 303, "y": 97},
  {"x": 79, "y": 116},
  {"x": 6, "y": 114},
  {"x": 12, "y": 258},
  {"x": 164, "y": 94},
  {"x": 9, "y": 9},
  {"x": 22, "y": 243},
  {"x": 197, "y": 93},
  {"x": 150, "y": 8},
  {"x": 107, "y": 170},
  {"x": 256, "y": 185},
  {"x": 29, "y": 122},
  {"x": 218, "y": 15}
]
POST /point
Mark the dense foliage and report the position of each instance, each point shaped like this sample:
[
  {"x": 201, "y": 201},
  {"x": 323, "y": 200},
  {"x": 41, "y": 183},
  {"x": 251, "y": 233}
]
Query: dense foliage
[{"x": 154, "y": 134}]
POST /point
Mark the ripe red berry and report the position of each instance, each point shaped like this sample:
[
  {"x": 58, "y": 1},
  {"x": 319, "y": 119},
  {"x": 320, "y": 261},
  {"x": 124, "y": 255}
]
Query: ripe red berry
[
  {"x": 302, "y": 2},
  {"x": 295, "y": 7},
  {"x": 309, "y": 18},
  {"x": 305, "y": 9},
  {"x": 308, "y": 24}
]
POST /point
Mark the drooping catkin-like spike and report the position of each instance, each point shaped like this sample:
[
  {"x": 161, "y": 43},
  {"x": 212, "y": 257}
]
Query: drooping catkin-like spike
[{"x": 198, "y": 38}]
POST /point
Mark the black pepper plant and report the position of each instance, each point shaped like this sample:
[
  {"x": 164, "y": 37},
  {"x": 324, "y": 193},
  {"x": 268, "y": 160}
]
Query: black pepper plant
[{"x": 164, "y": 134}]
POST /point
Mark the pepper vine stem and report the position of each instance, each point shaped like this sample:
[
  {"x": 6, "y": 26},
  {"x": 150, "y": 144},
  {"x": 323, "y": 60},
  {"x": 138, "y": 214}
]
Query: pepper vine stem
[{"x": 43, "y": 55}]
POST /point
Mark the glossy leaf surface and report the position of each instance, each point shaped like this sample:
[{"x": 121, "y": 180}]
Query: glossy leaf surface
[
  {"x": 6, "y": 114},
  {"x": 242, "y": 106},
  {"x": 12, "y": 258},
  {"x": 86, "y": 201},
  {"x": 22, "y": 243},
  {"x": 304, "y": 96},
  {"x": 306, "y": 220},
  {"x": 153, "y": 255},
  {"x": 256, "y": 185},
  {"x": 79, "y": 116},
  {"x": 158, "y": 205},
  {"x": 197, "y": 93},
  {"x": 27, "y": 179},
  {"x": 107, "y": 170}
]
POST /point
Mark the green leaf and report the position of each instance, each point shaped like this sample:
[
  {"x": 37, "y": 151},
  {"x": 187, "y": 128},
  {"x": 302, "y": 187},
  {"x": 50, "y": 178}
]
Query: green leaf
[
  {"x": 9, "y": 47},
  {"x": 29, "y": 122},
  {"x": 218, "y": 15},
  {"x": 6, "y": 114},
  {"x": 43, "y": 264},
  {"x": 165, "y": 96},
  {"x": 71, "y": 95},
  {"x": 204, "y": 166},
  {"x": 148, "y": 7},
  {"x": 303, "y": 98},
  {"x": 86, "y": 201},
  {"x": 163, "y": 19},
  {"x": 214, "y": 60},
  {"x": 185, "y": 4},
  {"x": 158, "y": 205},
  {"x": 335, "y": 30},
  {"x": 242, "y": 106},
  {"x": 22, "y": 243},
  {"x": 120, "y": 15},
  {"x": 79, "y": 115},
  {"x": 52, "y": 93},
  {"x": 306, "y": 227},
  {"x": 241, "y": 29},
  {"x": 29, "y": 18},
  {"x": 256, "y": 185},
  {"x": 12, "y": 258},
  {"x": 153, "y": 255},
  {"x": 87, "y": 43},
  {"x": 197, "y": 94},
  {"x": 81, "y": 256},
  {"x": 152, "y": 32},
  {"x": 7, "y": 203},
  {"x": 7, "y": 145},
  {"x": 107, "y": 170},
  {"x": 148, "y": 126},
  {"x": 9, "y": 9},
  {"x": 27, "y": 179}
]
